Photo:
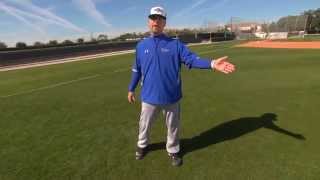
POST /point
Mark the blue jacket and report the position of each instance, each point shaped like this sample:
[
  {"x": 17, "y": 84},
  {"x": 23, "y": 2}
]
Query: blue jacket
[{"x": 158, "y": 65}]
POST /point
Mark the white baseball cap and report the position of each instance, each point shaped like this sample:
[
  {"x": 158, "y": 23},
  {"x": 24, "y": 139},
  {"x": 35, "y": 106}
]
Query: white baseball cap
[{"x": 158, "y": 11}]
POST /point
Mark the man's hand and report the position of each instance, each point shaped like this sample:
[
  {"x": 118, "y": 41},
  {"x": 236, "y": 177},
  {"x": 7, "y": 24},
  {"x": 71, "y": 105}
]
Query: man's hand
[
  {"x": 222, "y": 65},
  {"x": 131, "y": 97}
]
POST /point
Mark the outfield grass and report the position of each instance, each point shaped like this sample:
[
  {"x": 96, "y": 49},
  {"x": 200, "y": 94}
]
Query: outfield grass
[
  {"x": 72, "y": 121},
  {"x": 311, "y": 37},
  {"x": 307, "y": 37}
]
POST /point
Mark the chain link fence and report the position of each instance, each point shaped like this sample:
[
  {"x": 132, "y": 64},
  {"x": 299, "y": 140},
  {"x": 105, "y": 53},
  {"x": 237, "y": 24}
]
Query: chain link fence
[{"x": 286, "y": 27}]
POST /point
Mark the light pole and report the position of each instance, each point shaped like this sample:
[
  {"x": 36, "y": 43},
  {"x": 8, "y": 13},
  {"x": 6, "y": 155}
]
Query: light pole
[
  {"x": 305, "y": 25},
  {"x": 313, "y": 16}
]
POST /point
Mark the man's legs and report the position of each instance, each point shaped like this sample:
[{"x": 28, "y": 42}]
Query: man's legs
[
  {"x": 149, "y": 113},
  {"x": 172, "y": 115}
]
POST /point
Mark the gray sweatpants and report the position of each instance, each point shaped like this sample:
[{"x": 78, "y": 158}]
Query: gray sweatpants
[{"x": 149, "y": 113}]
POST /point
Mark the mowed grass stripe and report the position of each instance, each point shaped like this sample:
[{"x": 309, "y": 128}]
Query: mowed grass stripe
[
  {"x": 52, "y": 86},
  {"x": 87, "y": 130},
  {"x": 28, "y": 79},
  {"x": 92, "y": 62},
  {"x": 61, "y": 84}
]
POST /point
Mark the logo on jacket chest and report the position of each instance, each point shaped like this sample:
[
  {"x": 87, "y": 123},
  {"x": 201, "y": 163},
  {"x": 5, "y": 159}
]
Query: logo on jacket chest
[{"x": 165, "y": 50}]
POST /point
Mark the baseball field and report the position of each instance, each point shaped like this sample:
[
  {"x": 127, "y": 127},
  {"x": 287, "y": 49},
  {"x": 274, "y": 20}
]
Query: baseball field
[{"x": 73, "y": 121}]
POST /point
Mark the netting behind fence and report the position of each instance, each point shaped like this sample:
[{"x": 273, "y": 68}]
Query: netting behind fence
[{"x": 261, "y": 29}]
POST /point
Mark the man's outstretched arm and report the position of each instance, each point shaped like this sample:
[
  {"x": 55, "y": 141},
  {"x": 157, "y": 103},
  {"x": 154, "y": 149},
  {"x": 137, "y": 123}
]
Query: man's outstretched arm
[
  {"x": 191, "y": 60},
  {"x": 222, "y": 65}
]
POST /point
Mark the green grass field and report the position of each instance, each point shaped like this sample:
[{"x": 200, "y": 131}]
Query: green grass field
[
  {"x": 72, "y": 121},
  {"x": 307, "y": 37}
]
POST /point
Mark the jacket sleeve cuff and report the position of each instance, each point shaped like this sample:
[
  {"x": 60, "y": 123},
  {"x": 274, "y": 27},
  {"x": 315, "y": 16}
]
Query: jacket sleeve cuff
[{"x": 212, "y": 64}]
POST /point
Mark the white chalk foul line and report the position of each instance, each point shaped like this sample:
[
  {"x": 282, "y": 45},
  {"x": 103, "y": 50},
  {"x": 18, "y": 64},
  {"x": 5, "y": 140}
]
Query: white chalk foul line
[
  {"x": 81, "y": 58},
  {"x": 51, "y": 86},
  {"x": 84, "y": 78},
  {"x": 62, "y": 83},
  {"x": 65, "y": 60}
]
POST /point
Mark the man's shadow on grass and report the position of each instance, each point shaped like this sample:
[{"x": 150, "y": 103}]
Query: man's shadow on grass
[{"x": 227, "y": 131}]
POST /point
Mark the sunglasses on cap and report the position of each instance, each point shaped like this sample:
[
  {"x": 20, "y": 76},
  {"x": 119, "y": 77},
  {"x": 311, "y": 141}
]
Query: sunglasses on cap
[{"x": 155, "y": 17}]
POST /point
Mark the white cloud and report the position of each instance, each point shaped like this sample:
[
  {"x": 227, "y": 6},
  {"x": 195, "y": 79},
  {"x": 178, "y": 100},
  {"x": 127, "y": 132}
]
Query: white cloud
[
  {"x": 215, "y": 6},
  {"x": 58, "y": 20},
  {"x": 44, "y": 15},
  {"x": 89, "y": 7},
  {"x": 189, "y": 9},
  {"x": 16, "y": 13},
  {"x": 35, "y": 17}
]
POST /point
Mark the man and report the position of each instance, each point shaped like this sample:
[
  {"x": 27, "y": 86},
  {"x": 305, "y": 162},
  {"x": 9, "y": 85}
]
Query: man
[{"x": 158, "y": 65}]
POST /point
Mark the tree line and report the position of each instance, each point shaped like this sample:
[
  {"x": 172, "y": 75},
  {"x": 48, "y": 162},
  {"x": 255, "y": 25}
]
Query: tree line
[
  {"x": 54, "y": 43},
  {"x": 308, "y": 21}
]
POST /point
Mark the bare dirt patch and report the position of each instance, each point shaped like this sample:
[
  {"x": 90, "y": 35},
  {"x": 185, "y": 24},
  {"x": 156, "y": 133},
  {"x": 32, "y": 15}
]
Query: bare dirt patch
[{"x": 282, "y": 44}]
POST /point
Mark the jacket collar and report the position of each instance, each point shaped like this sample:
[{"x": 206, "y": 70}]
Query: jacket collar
[{"x": 158, "y": 36}]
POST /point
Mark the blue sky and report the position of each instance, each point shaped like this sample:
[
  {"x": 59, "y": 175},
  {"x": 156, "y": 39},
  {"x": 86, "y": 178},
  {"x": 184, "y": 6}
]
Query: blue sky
[{"x": 44, "y": 20}]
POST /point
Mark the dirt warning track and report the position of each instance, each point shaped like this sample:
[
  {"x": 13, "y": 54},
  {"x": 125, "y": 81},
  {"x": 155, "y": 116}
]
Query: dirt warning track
[{"x": 282, "y": 44}]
